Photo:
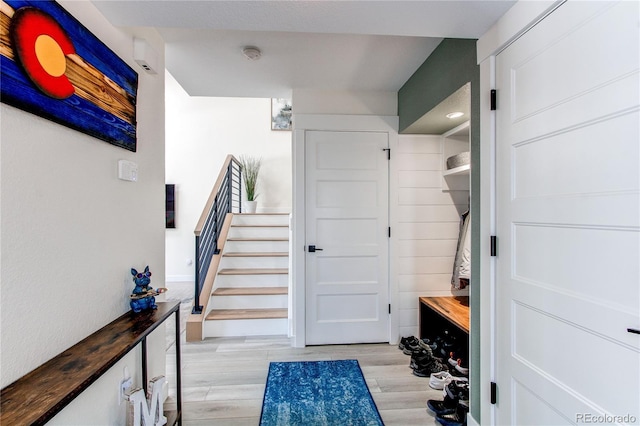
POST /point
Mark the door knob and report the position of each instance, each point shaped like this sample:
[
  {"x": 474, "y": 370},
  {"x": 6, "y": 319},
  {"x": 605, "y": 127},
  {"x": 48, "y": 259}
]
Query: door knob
[
  {"x": 313, "y": 249},
  {"x": 633, "y": 330}
]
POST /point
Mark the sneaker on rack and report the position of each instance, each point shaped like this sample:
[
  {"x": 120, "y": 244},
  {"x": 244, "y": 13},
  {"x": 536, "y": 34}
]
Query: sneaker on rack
[
  {"x": 410, "y": 345},
  {"x": 452, "y": 396},
  {"x": 439, "y": 380},
  {"x": 462, "y": 367},
  {"x": 403, "y": 342},
  {"x": 458, "y": 417},
  {"x": 454, "y": 355},
  {"x": 428, "y": 344},
  {"x": 457, "y": 389},
  {"x": 432, "y": 366},
  {"x": 420, "y": 358}
]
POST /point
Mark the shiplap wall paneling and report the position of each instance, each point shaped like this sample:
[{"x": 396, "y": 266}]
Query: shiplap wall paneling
[{"x": 428, "y": 226}]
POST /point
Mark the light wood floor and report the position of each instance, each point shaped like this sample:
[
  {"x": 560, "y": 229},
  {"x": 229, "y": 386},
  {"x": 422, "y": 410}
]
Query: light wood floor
[{"x": 223, "y": 379}]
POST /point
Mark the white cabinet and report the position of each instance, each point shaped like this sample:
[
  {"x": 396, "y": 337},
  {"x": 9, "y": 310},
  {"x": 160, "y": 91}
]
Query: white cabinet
[{"x": 454, "y": 142}]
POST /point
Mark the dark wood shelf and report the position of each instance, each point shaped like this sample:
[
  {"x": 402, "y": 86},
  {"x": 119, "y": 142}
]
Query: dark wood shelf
[
  {"x": 38, "y": 396},
  {"x": 453, "y": 309}
]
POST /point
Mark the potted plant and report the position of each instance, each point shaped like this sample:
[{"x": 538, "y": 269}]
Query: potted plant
[{"x": 250, "y": 170}]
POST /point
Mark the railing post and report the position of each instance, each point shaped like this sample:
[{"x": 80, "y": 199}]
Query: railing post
[
  {"x": 215, "y": 226},
  {"x": 230, "y": 187},
  {"x": 197, "y": 308},
  {"x": 239, "y": 188}
]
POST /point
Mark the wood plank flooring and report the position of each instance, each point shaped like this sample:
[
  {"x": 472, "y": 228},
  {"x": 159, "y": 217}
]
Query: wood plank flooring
[{"x": 224, "y": 378}]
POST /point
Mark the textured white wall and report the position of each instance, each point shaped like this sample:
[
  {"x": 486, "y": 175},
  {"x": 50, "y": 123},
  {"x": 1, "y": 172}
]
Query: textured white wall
[
  {"x": 200, "y": 133},
  {"x": 71, "y": 231}
]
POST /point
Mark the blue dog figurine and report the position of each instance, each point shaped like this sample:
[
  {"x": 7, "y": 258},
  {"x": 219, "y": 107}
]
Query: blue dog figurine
[{"x": 142, "y": 296}]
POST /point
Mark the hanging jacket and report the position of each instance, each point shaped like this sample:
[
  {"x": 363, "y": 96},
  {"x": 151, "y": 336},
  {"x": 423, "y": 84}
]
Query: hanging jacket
[{"x": 462, "y": 263}]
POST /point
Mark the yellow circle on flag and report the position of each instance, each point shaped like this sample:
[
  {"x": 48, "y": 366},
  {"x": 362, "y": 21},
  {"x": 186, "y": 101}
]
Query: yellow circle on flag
[{"x": 50, "y": 56}]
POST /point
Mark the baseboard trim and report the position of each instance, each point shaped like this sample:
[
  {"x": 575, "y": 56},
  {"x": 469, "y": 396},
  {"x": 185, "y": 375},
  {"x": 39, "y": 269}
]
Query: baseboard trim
[{"x": 179, "y": 278}]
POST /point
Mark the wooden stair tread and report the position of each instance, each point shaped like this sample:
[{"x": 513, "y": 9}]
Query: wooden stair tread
[
  {"x": 231, "y": 314},
  {"x": 257, "y": 254},
  {"x": 262, "y": 214},
  {"x": 258, "y": 239},
  {"x": 258, "y": 226},
  {"x": 253, "y": 271},
  {"x": 249, "y": 291}
]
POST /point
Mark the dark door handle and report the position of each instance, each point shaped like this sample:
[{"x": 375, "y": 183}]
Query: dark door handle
[
  {"x": 633, "y": 330},
  {"x": 313, "y": 249}
]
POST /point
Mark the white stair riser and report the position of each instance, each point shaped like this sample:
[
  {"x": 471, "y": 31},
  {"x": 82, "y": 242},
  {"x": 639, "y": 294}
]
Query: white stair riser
[
  {"x": 256, "y": 246},
  {"x": 236, "y": 281},
  {"x": 249, "y": 302},
  {"x": 258, "y": 232},
  {"x": 254, "y": 262},
  {"x": 267, "y": 219},
  {"x": 245, "y": 327}
]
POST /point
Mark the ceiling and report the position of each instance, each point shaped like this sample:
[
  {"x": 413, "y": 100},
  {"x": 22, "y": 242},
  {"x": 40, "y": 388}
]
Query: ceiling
[
  {"x": 323, "y": 45},
  {"x": 436, "y": 121}
]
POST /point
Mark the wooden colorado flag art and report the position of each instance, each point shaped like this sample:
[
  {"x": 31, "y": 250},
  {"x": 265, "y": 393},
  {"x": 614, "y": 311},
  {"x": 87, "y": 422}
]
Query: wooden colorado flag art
[{"x": 52, "y": 66}]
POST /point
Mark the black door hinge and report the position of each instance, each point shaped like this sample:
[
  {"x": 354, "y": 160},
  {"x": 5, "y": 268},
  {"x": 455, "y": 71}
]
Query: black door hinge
[
  {"x": 389, "y": 232},
  {"x": 494, "y": 392},
  {"x": 493, "y": 100},
  {"x": 389, "y": 308},
  {"x": 494, "y": 246},
  {"x": 388, "y": 152}
]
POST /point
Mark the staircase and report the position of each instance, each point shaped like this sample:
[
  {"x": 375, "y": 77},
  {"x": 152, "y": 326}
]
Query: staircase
[{"x": 250, "y": 290}]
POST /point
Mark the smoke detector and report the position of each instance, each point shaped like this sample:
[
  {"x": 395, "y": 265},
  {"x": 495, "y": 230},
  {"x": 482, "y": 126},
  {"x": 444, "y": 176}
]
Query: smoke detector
[{"x": 252, "y": 53}]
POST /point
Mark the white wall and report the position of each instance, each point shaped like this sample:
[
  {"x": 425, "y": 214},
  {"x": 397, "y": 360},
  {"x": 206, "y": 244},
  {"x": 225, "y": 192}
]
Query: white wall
[
  {"x": 345, "y": 102},
  {"x": 201, "y": 132},
  {"x": 428, "y": 226},
  {"x": 71, "y": 231}
]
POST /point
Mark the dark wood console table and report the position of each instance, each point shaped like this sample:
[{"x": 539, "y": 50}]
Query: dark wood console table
[
  {"x": 38, "y": 396},
  {"x": 444, "y": 311}
]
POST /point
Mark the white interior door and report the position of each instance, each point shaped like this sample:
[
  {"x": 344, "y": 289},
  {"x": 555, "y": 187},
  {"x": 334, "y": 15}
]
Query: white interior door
[
  {"x": 347, "y": 209},
  {"x": 569, "y": 218}
]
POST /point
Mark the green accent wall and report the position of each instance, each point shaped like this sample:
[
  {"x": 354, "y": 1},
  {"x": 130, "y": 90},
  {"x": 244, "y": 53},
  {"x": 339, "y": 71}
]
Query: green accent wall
[{"x": 451, "y": 65}]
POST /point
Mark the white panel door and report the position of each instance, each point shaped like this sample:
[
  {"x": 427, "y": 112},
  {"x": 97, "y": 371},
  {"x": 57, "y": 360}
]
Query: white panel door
[
  {"x": 568, "y": 283},
  {"x": 347, "y": 208}
]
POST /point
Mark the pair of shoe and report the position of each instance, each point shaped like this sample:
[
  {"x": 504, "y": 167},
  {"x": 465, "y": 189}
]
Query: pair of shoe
[
  {"x": 439, "y": 380},
  {"x": 409, "y": 344},
  {"x": 424, "y": 363},
  {"x": 456, "y": 418},
  {"x": 458, "y": 366},
  {"x": 454, "y": 392},
  {"x": 462, "y": 367},
  {"x": 446, "y": 342}
]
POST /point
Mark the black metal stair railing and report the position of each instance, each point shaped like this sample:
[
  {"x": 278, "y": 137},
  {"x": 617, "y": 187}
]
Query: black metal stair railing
[{"x": 225, "y": 198}]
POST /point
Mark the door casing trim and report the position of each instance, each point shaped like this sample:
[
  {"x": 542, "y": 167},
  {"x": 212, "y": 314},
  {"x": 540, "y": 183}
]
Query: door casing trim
[{"x": 331, "y": 122}]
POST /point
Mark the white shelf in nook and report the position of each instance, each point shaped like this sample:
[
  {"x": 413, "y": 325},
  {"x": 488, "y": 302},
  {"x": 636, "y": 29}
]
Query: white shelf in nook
[
  {"x": 454, "y": 142},
  {"x": 462, "y": 170}
]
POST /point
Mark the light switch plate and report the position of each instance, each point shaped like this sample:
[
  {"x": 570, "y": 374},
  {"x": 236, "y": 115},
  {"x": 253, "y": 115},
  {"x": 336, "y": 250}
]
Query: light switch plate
[{"x": 127, "y": 170}]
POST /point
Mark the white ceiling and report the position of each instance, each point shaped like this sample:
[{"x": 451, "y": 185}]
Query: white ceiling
[{"x": 326, "y": 45}]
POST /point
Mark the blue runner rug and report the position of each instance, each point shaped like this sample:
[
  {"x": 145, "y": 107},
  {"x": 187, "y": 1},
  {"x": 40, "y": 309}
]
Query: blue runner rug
[{"x": 317, "y": 393}]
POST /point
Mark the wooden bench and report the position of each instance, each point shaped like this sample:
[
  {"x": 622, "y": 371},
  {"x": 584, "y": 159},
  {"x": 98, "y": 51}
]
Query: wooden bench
[{"x": 437, "y": 312}]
